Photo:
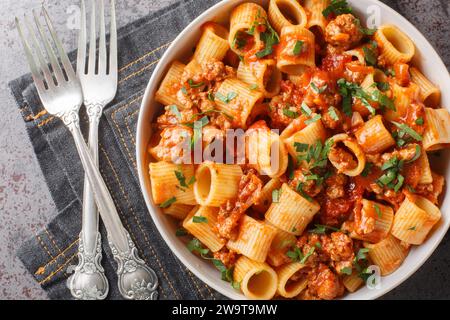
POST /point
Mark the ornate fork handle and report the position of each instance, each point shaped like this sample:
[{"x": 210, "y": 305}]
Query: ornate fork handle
[
  {"x": 88, "y": 280},
  {"x": 135, "y": 279}
]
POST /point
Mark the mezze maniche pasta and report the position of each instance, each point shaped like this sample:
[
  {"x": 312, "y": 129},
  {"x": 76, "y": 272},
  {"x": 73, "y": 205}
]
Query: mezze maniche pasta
[{"x": 354, "y": 126}]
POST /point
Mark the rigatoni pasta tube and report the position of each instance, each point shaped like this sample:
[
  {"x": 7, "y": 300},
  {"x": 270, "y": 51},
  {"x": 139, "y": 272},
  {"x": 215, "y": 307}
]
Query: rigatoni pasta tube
[
  {"x": 257, "y": 280},
  {"x": 414, "y": 219},
  {"x": 387, "y": 254},
  {"x": 353, "y": 150},
  {"x": 236, "y": 99},
  {"x": 216, "y": 183},
  {"x": 281, "y": 244},
  {"x": 201, "y": 223},
  {"x": 426, "y": 176},
  {"x": 262, "y": 75},
  {"x": 375, "y": 222},
  {"x": 178, "y": 211},
  {"x": 314, "y": 9},
  {"x": 373, "y": 137},
  {"x": 437, "y": 129},
  {"x": 165, "y": 184},
  {"x": 284, "y": 13},
  {"x": 429, "y": 93},
  {"x": 253, "y": 240},
  {"x": 352, "y": 282},
  {"x": 291, "y": 281},
  {"x": 395, "y": 45},
  {"x": 167, "y": 92},
  {"x": 244, "y": 34},
  {"x": 309, "y": 135},
  {"x": 213, "y": 43},
  {"x": 403, "y": 97},
  {"x": 265, "y": 196},
  {"x": 265, "y": 150},
  {"x": 296, "y": 51},
  {"x": 292, "y": 213}
]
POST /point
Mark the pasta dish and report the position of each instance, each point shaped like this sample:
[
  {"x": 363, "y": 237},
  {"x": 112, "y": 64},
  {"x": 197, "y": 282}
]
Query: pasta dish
[{"x": 295, "y": 149}]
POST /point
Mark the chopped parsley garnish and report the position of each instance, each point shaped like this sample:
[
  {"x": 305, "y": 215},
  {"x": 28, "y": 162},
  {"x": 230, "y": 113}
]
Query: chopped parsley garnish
[
  {"x": 181, "y": 232},
  {"x": 383, "y": 86},
  {"x": 174, "y": 109},
  {"x": 297, "y": 255},
  {"x": 270, "y": 38},
  {"x": 346, "y": 270},
  {"x": 417, "y": 153},
  {"x": 289, "y": 113},
  {"x": 290, "y": 168},
  {"x": 315, "y": 118},
  {"x": 276, "y": 195},
  {"x": 239, "y": 42},
  {"x": 337, "y": 7},
  {"x": 305, "y": 109},
  {"x": 168, "y": 202},
  {"x": 300, "y": 147},
  {"x": 254, "y": 87},
  {"x": 199, "y": 219},
  {"x": 211, "y": 96},
  {"x": 405, "y": 129},
  {"x": 362, "y": 254},
  {"x": 365, "y": 31},
  {"x": 419, "y": 121},
  {"x": 183, "y": 89},
  {"x": 300, "y": 186},
  {"x": 192, "y": 84},
  {"x": 196, "y": 246},
  {"x": 392, "y": 177},
  {"x": 377, "y": 210},
  {"x": 226, "y": 99},
  {"x": 333, "y": 114},
  {"x": 298, "y": 47},
  {"x": 322, "y": 229},
  {"x": 317, "y": 154},
  {"x": 413, "y": 228},
  {"x": 199, "y": 123},
  {"x": 316, "y": 89},
  {"x": 360, "y": 263},
  {"x": 367, "y": 169},
  {"x": 181, "y": 178}
]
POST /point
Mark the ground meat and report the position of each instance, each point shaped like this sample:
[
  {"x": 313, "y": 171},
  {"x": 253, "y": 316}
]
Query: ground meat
[
  {"x": 339, "y": 246},
  {"x": 433, "y": 190},
  {"x": 406, "y": 153},
  {"x": 324, "y": 284},
  {"x": 331, "y": 122},
  {"x": 277, "y": 113},
  {"x": 334, "y": 211},
  {"x": 343, "y": 158},
  {"x": 321, "y": 91},
  {"x": 310, "y": 187},
  {"x": 231, "y": 212},
  {"x": 228, "y": 257},
  {"x": 169, "y": 118},
  {"x": 174, "y": 144},
  {"x": 356, "y": 72},
  {"x": 336, "y": 186},
  {"x": 344, "y": 31}
]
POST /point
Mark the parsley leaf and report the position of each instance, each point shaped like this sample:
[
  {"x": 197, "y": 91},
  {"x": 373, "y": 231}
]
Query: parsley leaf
[
  {"x": 192, "y": 84},
  {"x": 181, "y": 232},
  {"x": 289, "y": 113},
  {"x": 226, "y": 99},
  {"x": 408, "y": 130},
  {"x": 316, "y": 89},
  {"x": 377, "y": 210},
  {"x": 276, "y": 195},
  {"x": 174, "y": 109},
  {"x": 419, "y": 121},
  {"x": 305, "y": 109},
  {"x": 322, "y": 229},
  {"x": 199, "y": 219},
  {"x": 346, "y": 270},
  {"x": 337, "y": 7},
  {"x": 168, "y": 202},
  {"x": 333, "y": 114},
  {"x": 313, "y": 119},
  {"x": 298, "y": 47}
]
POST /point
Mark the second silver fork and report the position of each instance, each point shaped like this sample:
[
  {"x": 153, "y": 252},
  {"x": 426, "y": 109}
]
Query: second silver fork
[{"x": 99, "y": 89}]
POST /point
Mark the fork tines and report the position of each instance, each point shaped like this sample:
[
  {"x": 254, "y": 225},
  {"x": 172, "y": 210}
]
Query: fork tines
[
  {"x": 102, "y": 67},
  {"x": 61, "y": 71}
]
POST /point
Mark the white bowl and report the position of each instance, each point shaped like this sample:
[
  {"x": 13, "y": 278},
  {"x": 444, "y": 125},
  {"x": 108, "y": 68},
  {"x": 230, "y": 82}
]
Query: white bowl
[{"x": 426, "y": 59}]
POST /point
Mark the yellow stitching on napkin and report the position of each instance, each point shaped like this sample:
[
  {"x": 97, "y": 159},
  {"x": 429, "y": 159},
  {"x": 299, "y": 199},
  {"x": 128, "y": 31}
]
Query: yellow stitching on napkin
[
  {"x": 52, "y": 240},
  {"x": 143, "y": 57},
  {"x": 44, "y": 246},
  {"x": 51, "y": 275},
  {"x": 37, "y": 116},
  {"x": 148, "y": 66},
  {"x": 56, "y": 257}
]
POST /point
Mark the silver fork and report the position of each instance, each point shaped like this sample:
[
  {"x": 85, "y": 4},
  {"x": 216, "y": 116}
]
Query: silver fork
[
  {"x": 98, "y": 90},
  {"x": 61, "y": 95}
]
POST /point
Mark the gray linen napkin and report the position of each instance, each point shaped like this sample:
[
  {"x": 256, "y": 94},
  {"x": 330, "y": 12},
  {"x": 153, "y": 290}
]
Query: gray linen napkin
[{"x": 141, "y": 44}]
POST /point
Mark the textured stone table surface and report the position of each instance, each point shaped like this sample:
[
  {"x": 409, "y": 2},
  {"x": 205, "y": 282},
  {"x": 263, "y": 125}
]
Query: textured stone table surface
[{"x": 25, "y": 203}]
